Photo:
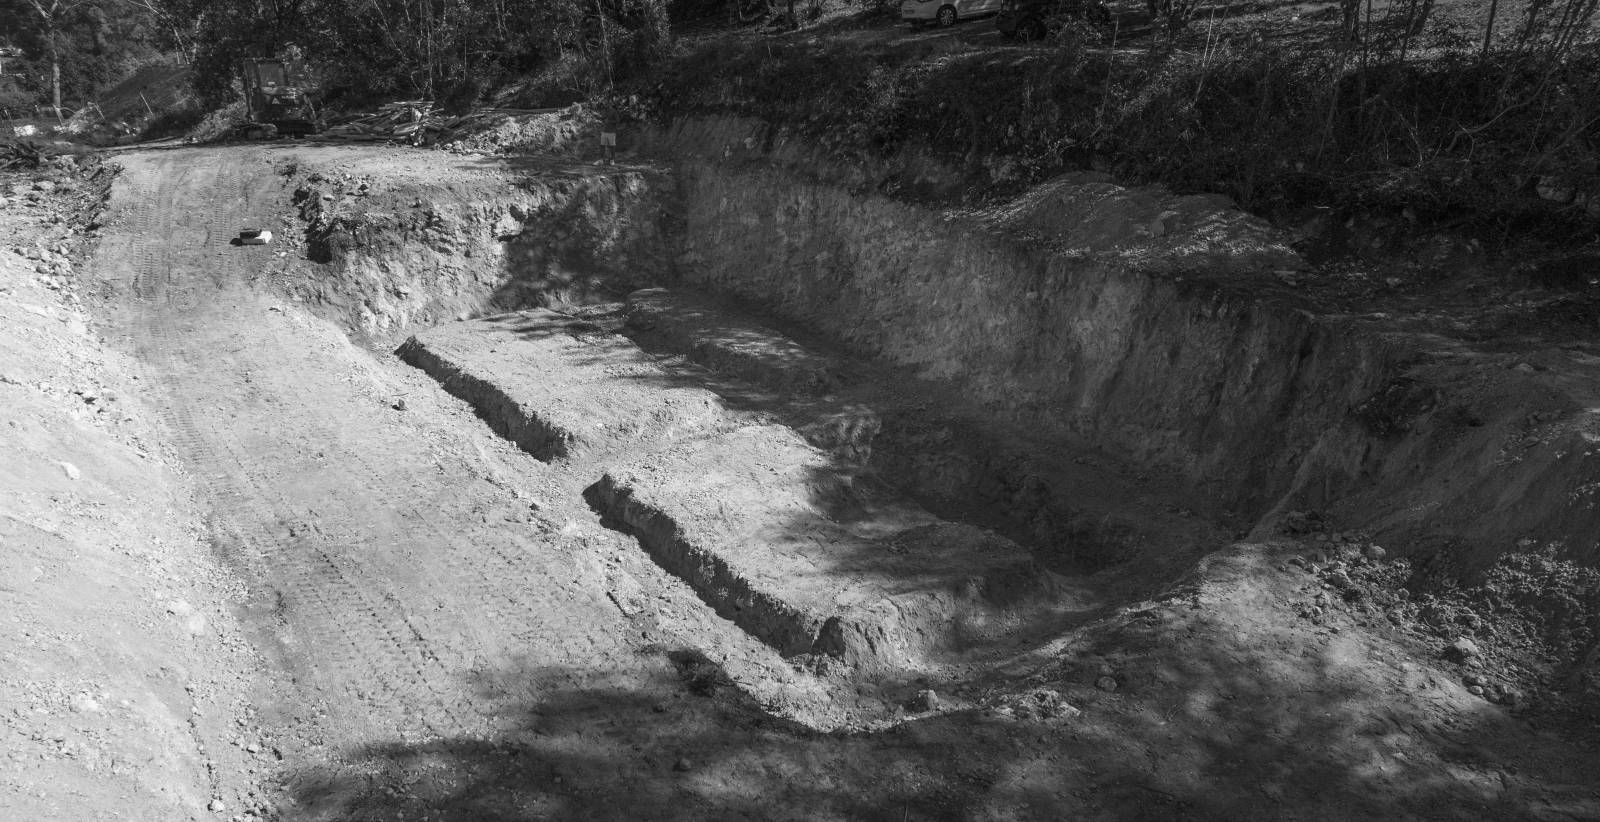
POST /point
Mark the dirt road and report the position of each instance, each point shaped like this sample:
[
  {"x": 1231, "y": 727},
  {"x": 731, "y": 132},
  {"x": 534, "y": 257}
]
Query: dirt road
[{"x": 398, "y": 565}]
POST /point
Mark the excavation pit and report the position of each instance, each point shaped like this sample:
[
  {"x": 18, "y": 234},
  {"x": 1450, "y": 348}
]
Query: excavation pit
[
  {"x": 437, "y": 594},
  {"x": 765, "y": 497}
]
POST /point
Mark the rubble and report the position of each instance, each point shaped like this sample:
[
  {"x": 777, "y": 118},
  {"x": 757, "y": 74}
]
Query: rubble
[
  {"x": 418, "y": 123},
  {"x": 21, "y": 154}
]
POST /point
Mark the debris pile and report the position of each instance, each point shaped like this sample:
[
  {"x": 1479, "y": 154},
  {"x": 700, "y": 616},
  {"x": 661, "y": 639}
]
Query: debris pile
[
  {"x": 21, "y": 154},
  {"x": 58, "y": 189},
  {"x": 1495, "y": 634},
  {"x": 416, "y": 122},
  {"x": 541, "y": 130},
  {"x": 405, "y": 120}
]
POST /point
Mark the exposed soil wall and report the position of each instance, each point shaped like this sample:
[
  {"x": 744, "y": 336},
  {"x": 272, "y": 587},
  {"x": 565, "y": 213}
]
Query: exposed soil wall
[
  {"x": 1161, "y": 328},
  {"x": 481, "y": 237},
  {"x": 1089, "y": 337},
  {"x": 1150, "y": 324}
]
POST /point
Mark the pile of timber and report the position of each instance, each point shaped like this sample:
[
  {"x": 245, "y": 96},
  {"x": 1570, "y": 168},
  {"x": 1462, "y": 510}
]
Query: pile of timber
[{"x": 415, "y": 122}]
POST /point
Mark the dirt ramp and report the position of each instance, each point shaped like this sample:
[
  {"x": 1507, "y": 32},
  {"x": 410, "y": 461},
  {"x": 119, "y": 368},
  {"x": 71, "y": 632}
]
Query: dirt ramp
[
  {"x": 763, "y": 528},
  {"x": 559, "y": 386}
]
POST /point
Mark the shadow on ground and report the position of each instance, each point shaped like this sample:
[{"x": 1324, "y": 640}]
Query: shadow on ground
[{"x": 1226, "y": 742}]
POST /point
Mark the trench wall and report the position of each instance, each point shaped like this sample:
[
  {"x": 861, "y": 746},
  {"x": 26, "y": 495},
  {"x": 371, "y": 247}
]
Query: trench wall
[
  {"x": 1095, "y": 341},
  {"x": 1149, "y": 324},
  {"x": 420, "y": 252},
  {"x": 1154, "y": 326}
]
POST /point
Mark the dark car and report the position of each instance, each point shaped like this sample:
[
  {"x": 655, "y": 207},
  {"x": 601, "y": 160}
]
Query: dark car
[{"x": 1037, "y": 19}]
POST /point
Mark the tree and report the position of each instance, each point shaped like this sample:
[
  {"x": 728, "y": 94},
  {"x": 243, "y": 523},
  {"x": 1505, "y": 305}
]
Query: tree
[
  {"x": 49, "y": 21},
  {"x": 76, "y": 47},
  {"x": 439, "y": 49},
  {"x": 171, "y": 17}
]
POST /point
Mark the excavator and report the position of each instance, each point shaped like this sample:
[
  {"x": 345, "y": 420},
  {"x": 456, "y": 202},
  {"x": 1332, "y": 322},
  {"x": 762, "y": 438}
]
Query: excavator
[{"x": 278, "y": 101}]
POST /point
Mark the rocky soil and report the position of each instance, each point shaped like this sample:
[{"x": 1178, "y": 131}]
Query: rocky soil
[{"x": 126, "y": 679}]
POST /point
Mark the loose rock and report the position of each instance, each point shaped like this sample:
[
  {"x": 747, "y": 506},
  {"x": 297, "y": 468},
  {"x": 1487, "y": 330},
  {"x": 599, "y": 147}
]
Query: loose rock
[
  {"x": 1462, "y": 650},
  {"x": 1297, "y": 522}
]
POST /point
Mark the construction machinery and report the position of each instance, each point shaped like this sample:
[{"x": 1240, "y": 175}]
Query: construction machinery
[{"x": 278, "y": 101}]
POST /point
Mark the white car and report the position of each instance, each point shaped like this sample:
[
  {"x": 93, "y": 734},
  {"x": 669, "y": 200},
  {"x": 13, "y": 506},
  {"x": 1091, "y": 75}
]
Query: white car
[{"x": 945, "y": 12}]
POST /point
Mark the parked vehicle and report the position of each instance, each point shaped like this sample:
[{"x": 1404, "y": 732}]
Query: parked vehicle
[
  {"x": 277, "y": 102},
  {"x": 945, "y": 12},
  {"x": 1037, "y": 19}
]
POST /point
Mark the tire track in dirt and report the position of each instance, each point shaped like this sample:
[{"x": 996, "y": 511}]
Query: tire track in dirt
[
  {"x": 361, "y": 633},
  {"x": 310, "y": 554},
  {"x": 392, "y": 593}
]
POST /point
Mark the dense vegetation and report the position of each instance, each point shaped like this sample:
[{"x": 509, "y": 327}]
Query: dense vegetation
[
  {"x": 1376, "y": 122},
  {"x": 449, "y": 50},
  {"x": 1378, "y": 108},
  {"x": 446, "y": 50},
  {"x": 73, "y": 49}
]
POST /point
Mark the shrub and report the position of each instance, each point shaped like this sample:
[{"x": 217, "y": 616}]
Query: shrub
[
  {"x": 171, "y": 122},
  {"x": 450, "y": 51}
]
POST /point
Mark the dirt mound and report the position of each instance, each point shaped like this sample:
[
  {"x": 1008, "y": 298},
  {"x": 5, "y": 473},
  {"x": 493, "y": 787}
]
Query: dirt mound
[
  {"x": 1269, "y": 651},
  {"x": 1148, "y": 227}
]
